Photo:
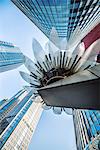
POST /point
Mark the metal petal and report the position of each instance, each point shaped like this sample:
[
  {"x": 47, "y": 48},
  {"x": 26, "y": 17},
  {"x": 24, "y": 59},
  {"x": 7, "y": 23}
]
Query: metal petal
[
  {"x": 54, "y": 36},
  {"x": 28, "y": 78},
  {"x": 63, "y": 44},
  {"x": 90, "y": 54},
  {"x": 75, "y": 37},
  {"x": 45, "y": 107},
  {"x": 29, "y": 64},
  {"x": 38, "y": 99},
  {"x": 79, "y": 50},
  {"x": 68, "y": 111},
  {"x": 29, "y": 88},
  {"x": 38, "y": 50},
  {"x": 57, "y": 110}
]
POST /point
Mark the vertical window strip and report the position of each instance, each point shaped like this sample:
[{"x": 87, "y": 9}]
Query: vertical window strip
[
  {"x": 86, "y": 11},
  {"x": 45, "y": 18},
  {"x": 91, "y": 16},
  {"x": 90, "y": 26},
  {"x": 80, "y": 5},
  {"x": 80, "y": 130},
  {"x": 36, "y": 22},
  {"x": 51, "y": 13},
  {"x": 91, "y": 19},
  {"x": 71, "y": 15},
  {"x": 46, "y": 11}
]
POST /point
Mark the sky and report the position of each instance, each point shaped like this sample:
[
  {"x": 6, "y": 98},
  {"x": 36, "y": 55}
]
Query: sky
[{"x": 54, "y": 132}]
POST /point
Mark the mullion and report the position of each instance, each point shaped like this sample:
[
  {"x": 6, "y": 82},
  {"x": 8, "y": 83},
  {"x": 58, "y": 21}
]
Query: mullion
[
  {"x": 51, "y": 12},
  {"x": 90, "y": 19},
  {"x": 29, "y": 15},
  {"x": 41, "y": 11},
  {"x": 71, "y": 15},
  {"x": 64, "y": 17},
  {"x": 80, "y": 10},
  {"x": 33, "y": 14},
  {"x": 35, "y": 10},
  {"x": 78, "y": 17},
  {"x": 46, "y": 11},
  {"x": 93, "y": 6},
  {"x": 56, "y": 11},
  {"x": 90, "y": 22}
]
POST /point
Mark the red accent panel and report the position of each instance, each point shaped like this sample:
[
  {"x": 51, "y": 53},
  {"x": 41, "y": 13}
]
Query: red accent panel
[{"x": 92, "y": 36}]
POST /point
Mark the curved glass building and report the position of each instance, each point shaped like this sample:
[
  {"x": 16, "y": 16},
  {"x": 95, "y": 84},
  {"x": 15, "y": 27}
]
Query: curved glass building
[
  {"x": 10, "y": 56},
  {"x": 19, "y": 117},
  {"x": 87, "y": 128},
  {"x": 64, "y": 15}
]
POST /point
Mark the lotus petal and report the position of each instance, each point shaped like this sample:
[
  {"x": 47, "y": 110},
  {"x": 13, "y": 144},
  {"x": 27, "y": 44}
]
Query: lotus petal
[
  {"x": 47, "y": 48},
  {"x": 38, "y": 50},
  {"x": 79, "y": 50},
  {"x": 75, "y": 38},
  {"x": 29, "y": 64},
  {"x": 57, "y": 110},
  {"x": 54, "y": 36},
  {"x": 38, "y": 99},
  {"x": 29, "y": 88},
  {"x": 45, "y": 107},
  {"x": 28, "y": 78},
  {"x": 52, "y": 48},
  {"x": 68, "y": 111},
  {"x": 63, "y": 44},
  {"x": 90, "y": 54},
  {"x": 77, "y": 53}
]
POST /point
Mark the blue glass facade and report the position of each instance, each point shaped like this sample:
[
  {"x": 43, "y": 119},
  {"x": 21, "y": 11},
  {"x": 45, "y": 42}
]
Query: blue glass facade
[
  {"x": 64, "y": 15},
  {"x": 6, "y": 109},
  {"x": 21, "y": 102},
  {"x": 87, "y": 128},
  {"x": 13, "y": 124},
  {"x": 10, "y": 56}
]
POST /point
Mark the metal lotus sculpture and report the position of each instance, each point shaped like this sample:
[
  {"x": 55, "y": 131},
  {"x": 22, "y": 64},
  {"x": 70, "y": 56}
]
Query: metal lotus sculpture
[{"x": 59, "y": 60}]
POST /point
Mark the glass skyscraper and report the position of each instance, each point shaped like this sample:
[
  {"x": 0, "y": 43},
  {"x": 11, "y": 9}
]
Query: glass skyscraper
[
  {"x": 64, "y": 15},
  {"x": 10, "y": 56},
  {"x": 6, "y": 106},
  {"x": 87, "y": 129},
  {"x": 19, "y": 117}
]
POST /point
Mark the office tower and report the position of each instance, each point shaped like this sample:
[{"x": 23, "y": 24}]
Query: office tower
[
  {"x": 64, "y": 15},
  {"x": 87, "y": 129},
  {"x": 20, "y": 123},
  {"x": 9, "y": 105},
  {"x": 10, "y": 56}
]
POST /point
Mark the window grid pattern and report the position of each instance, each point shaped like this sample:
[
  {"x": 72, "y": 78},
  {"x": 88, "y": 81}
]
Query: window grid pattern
[
  {"x": 10, "y": 57},
  {"x": 85, "y": 14},
  {"x": 21, "y": 136},
  {"x": 64, "y": 15},
  {"x": 11, "y": 109},
  {"x": 87, "y": 127},
  {"x": 8, "y": 131}
]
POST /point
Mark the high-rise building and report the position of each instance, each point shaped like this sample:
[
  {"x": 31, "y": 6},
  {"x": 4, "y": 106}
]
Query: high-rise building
[
  {"x": 64, "y": 15},
  {"x": 87, "y": 129},
  {"x": 9, "y": 104},
  {"x": 10, "y": 56},
  {"x": 20, "y": 118}
]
